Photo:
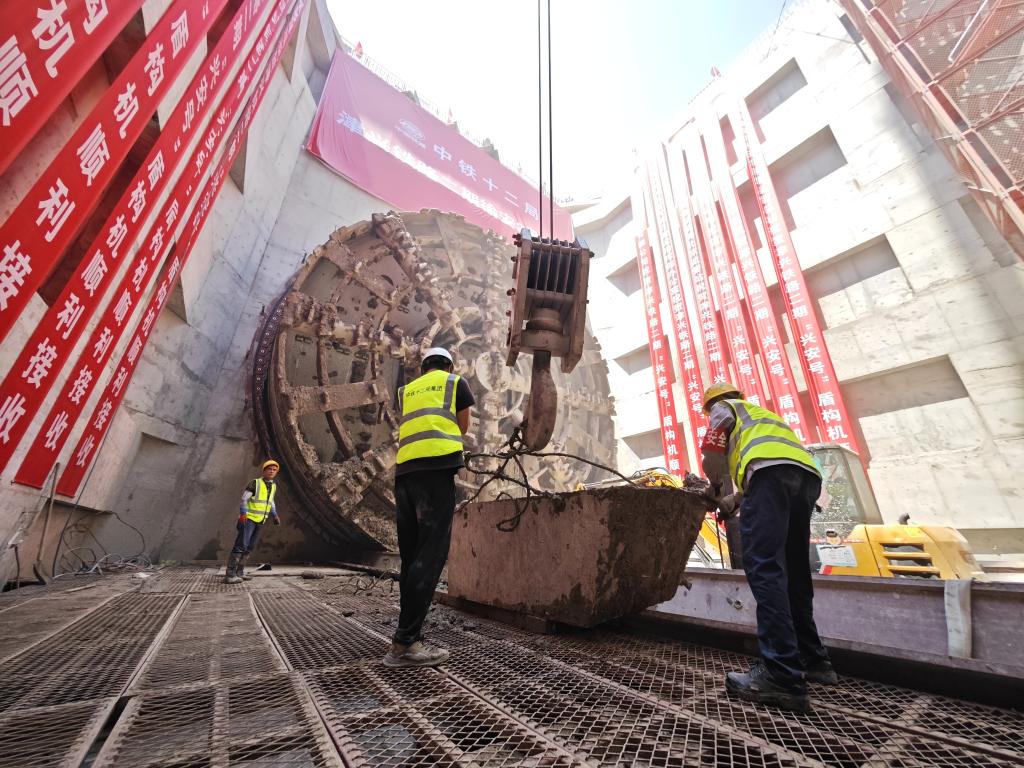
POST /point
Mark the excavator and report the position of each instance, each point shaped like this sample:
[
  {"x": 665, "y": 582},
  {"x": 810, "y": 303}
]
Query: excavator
[{"x": 848, "y": 535}]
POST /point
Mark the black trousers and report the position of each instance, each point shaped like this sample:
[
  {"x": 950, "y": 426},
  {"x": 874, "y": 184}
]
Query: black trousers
[
  {"x": 775, "y": 520},
  {"x": 426, "y": 504}
]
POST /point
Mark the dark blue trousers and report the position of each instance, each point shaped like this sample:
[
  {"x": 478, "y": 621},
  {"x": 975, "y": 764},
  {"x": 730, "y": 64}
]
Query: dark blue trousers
[
  {"x": 775, "y": 519},
  {"x": 248, "y": 535}
]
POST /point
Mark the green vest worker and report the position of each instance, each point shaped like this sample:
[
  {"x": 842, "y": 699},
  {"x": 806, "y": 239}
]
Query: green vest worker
[
  {"x": 777, "y": 483},
  {"x": 257, "y": 505},
  {"x": 435, "y": 416}
]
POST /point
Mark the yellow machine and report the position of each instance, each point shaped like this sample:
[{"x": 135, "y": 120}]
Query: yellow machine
[{"x": 848, "y": 536}]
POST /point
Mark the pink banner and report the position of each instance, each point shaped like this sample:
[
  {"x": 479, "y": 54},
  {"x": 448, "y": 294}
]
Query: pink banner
[
  {"x": 833, "y": 421},
  {"x": 99, "y": 421},
  {"x": 745, "y": 375},
  {"x": 691, "y": 379},
  {"x": 46, "y": 221},
  {"x": 661, "y": 361},
  {"x": 384, "y": 143},
  {"x": 184, "y": 123},
  {"x": 47, "y": 50},
  {"x": 785, "y": 395}
]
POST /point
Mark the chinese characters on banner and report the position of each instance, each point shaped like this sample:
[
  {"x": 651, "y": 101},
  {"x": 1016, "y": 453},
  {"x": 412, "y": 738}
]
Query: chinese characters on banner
[
  {"x": 219, "y": 66},
  {"x": 35, "y": 236},
  {"x": 660, "y": 358},
  {"x": 46, "y": 49},
  {"x": 691, "y": 379},
  {"x": 785, "y": 395},
  {"x": 830, "y": 411},
  {"x": 383, "y": 142},
  {"x": 100, "y": 419},
  {"x": 746, "y": 373}
]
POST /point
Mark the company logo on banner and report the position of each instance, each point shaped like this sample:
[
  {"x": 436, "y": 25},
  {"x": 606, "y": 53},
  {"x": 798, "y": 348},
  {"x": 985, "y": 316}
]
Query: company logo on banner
[
  {"x": 47, "y": 48},
  {"x": 384, "y": 143}
]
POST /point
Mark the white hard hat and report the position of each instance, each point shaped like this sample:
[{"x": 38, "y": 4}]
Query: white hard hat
[{"x": 438, "y": 352}]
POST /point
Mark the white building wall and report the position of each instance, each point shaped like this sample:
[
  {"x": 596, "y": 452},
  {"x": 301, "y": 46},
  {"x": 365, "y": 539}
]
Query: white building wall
[{"x": 922, "y": 300}]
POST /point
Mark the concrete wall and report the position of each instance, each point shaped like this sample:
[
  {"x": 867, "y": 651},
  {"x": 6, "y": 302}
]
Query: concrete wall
[
  {"x": 921, "y": 298},
  {"x": 181, "y": 447}
]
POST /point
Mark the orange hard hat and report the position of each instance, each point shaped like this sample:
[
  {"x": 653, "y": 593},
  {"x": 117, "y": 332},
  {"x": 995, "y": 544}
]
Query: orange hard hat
[{"x": 717, "y": 390}]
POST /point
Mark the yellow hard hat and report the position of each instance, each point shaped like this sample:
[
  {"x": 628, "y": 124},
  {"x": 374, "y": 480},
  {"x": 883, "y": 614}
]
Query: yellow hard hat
[
  {"x": 717, "y": 390},
  {"x": 270, "y": 463}
]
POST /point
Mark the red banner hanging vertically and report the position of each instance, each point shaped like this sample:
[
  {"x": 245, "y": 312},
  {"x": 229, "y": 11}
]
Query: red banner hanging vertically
[
  {"x": 47, "y": 49},
  {"x": 101, "y": 418},
  {"x": 709, "y": 328},
  {"x": 785, "y": 395},
  {"x": 48, "y": 218},
  {"x": 690, "y": 378},
  {"x": 660, "y": 359},
  {"x": 221, "y": 64},
  {"x": 832, "y": 418},
  {"x": 745, "y": 369}
]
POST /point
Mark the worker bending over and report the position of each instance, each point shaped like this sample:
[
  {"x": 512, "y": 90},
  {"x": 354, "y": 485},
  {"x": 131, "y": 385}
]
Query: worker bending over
[
  {"x": 257, "y": 504},
  {"x": 435, "y": 416},
  {"x": 777, "y": 483}
]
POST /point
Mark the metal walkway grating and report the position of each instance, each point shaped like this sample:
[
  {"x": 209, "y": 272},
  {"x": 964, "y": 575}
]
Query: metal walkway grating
[{"x": 288, "y": 674}]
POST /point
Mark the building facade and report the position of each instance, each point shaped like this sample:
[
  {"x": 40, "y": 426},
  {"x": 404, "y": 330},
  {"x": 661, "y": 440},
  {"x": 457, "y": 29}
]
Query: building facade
[{"x": 916, "y": 294}]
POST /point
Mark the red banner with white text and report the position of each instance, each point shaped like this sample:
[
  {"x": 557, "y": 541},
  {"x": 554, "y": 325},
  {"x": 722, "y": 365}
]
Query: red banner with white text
[
  {"x": 219, "y": 75},
  {"x": 48, "y": 218},
  {"x": 832, "y": 419},
  {"x": 785, "y": 395},
  {"x": 745, "y": 373},
  {"x": 691, "y": 380},
  {"x": 101, "y": 417},
  {"x": 47, "y": 49},
  {"x": 660, "y": 359},
  {"x": 386, "y": 144}
]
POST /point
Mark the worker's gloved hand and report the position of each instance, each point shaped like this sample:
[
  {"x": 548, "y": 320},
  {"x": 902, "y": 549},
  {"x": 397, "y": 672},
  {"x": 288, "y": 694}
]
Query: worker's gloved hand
[
  {"x": 730, "y": 505},
  {"x": 241, "y": 519},
  {"x": 465, "y": 457},
  {"x": 277, "y": 520}
]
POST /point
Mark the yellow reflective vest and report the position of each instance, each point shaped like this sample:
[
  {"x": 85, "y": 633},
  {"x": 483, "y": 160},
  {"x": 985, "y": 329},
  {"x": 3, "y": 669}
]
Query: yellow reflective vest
[
  {"x": 428, "y": 427},
  {"x": 762, "y": 434},
  {"x": 258, "y": 506}
]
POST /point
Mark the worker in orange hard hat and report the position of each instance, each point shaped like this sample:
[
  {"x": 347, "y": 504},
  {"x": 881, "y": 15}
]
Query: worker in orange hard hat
[
  {"x": 777, "y": 483},
  {"x": 257, "y": 505}
]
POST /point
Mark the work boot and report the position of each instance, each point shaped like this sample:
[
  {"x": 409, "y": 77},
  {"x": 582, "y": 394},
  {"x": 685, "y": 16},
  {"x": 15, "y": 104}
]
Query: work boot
[
  {"x": 758, "y": 686},
  {"x": 241, "y": 568},
  {"x": 231, "y": 574},
  {"x": 415, "y": 655},
  {"x": 821, "y": 672}
]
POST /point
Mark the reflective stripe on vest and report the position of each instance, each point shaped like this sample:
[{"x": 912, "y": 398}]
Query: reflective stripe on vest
[
  {"x": 761, "y": 434},
  {"x": 258, "y": 506},
  {"x": 428, "y": 427}
]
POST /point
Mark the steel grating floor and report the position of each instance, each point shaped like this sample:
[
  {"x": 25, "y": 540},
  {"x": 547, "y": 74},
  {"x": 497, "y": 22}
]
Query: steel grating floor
[{"x": 180, "y": 670}]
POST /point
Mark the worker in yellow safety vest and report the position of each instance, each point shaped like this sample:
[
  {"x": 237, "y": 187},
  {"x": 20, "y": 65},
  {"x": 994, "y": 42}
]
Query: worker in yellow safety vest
[
  {"x": 257, "y": 505},
  {"x": 777, "y": 483},
  {"x": 435, "y": 416}
]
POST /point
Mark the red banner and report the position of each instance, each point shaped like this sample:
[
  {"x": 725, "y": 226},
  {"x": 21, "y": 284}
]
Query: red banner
[
  {"x": 384, "y": 143},
  {"x": 745, "y": 367},
  {"x": 99, "y": 421},
  {"x": 220, "y": 65},
  {"x": 785, "y": 395},
  {"x": 827, "y": 399},
  {"x": 48, "y": 218},
  {"x": 710, "y": 329},
  {"x": 51, "y": 47},
  {"x": 660, "y": 358},
  {"x": 691, "y": 379}
]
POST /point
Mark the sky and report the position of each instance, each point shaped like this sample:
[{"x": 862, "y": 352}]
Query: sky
[{"x": 622, "y": 71}]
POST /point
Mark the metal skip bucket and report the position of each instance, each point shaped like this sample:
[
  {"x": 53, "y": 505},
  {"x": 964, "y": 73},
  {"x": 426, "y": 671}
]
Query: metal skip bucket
[{"x": 579, "y": 558}]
